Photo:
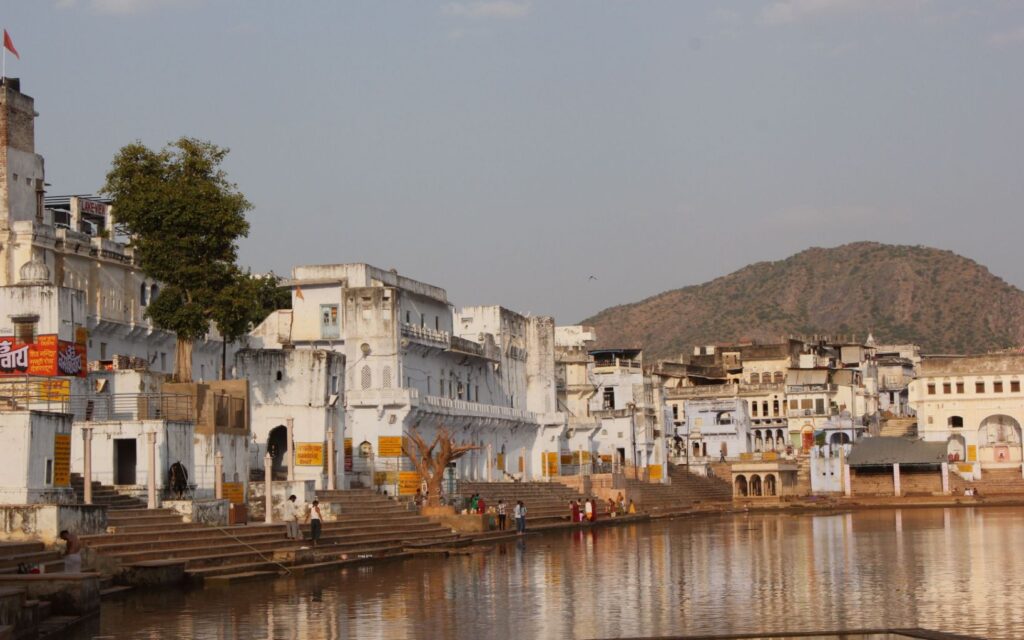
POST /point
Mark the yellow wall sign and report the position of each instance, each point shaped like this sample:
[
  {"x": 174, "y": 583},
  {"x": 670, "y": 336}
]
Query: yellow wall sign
[
  {"x": 769, "y": 455},
  {"x": 234, "y": 492},
  {"x": 499, "y": 462},
  {"x": 61, "y": 460},
  {"x": 309, "y": 454},
  {"x": 389, "y": 446},
  {"x": 654, "y": 472},
  {"x": 972, "y": 453},
  {"x": 408, "y": 482}
]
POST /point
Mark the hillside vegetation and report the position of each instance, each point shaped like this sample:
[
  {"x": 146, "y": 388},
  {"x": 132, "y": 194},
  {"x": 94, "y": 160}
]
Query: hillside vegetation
[{"x": 943, "y": 301}]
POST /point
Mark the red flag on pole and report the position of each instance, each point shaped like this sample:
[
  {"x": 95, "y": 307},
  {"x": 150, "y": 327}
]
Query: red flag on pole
[{"x": 9, "y": 44}]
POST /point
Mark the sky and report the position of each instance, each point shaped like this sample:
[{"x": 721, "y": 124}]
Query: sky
[{"x": 509, "y": 150}]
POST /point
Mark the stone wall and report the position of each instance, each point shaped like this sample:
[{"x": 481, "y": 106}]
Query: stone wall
[
  {"x": 44, "y": 522},
  {"x": 303, "y": 490},
  {"x": 212, "y": 512}
]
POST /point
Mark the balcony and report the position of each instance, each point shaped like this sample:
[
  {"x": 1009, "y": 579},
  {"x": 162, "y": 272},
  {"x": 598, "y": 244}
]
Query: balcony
[
  {"x": 703, "y": 391},
  {"x": 811, "y": 388},
  {"x": 808, "y": 413},
  {"x": 426, "y": 335}
]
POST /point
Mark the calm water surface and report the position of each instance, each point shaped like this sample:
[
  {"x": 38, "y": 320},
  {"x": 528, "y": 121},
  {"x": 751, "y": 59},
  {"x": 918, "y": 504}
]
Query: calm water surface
[{"x": 957, "y": 570}]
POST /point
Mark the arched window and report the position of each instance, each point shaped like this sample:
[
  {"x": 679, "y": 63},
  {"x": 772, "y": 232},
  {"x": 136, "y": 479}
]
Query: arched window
[
  {"x": 741, "y": 486},
  {"x": 365, "y": 377},
  {"x": 142, "y": 294},
  {"x": 386, "y": 377},
  {"x": 779, "y": 378},
  {"x": 956, "y": 422},
  {"x": 755, "y": 378}
]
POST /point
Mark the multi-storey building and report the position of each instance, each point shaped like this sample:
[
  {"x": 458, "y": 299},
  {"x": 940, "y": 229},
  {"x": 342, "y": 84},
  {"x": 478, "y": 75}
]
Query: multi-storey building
[
  {"x": 486, "y": 373},
  {"x": 975, "y": 405}
]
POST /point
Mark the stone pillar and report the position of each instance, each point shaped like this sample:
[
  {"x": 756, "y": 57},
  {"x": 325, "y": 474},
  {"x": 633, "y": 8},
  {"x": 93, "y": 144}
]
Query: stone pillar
[
  {"x": 490, "y": 474},
  {"x": 945, "y": 478},
  {"x": 151, "y": 448},
  {"x": 87, "y": 471},
  {"x": 218, "y": 475},
  {"x": 330, "y": 460},
  {"x": 896, "y": 479},
  {"x": 290, "y": 426},
  {"x": 847, "y": 487},
  {"x": 268, "y": 487}
]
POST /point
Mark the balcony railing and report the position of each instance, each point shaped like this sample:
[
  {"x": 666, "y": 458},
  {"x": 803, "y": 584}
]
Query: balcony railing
[
  {"x": 105, "y": 407},
  {"x": 426, "y": 335},
  {"x": 702, "y": 391},
  {"x": 811, "y": 388}
]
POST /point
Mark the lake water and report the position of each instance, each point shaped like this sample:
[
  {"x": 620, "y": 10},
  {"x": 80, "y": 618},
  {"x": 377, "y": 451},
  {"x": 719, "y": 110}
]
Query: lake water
[{"x": 956, "y": 570}]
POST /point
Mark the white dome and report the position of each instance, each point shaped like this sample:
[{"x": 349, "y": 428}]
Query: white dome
[{"x": 34, "y": 271}]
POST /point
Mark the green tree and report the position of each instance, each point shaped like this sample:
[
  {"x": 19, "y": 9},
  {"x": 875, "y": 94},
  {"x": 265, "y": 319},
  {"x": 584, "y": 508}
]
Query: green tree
[
  {"x": 243, "y": 304},
  {"x": 185, "y": 219}
]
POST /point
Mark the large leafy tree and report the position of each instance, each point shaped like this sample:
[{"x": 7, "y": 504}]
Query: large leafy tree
[
  {"x": 185, "y": 219},
  {"x": 243, "y": 304}
]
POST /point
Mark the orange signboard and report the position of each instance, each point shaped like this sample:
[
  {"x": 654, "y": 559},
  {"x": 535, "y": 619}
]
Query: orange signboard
[
  {"x": 234, "y": 492},
  {"x": 47, "y": 356},
  {"x": 408, "y": 482},
  {"x": 309, "y": 454},
  {"x": 389, "y": 446},
  {"x": 552, "y": 463},
  {"x": 972, "y": 453},
  {"x": 61, "y": 460},
  {"x": 654, "y": 472}
]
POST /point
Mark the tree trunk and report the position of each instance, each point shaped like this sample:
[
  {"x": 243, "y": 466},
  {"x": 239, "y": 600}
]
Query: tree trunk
[{"x": 183, "y": 360}]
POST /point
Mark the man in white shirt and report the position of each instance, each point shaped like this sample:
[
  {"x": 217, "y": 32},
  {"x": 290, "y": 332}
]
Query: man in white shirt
[{"x": 290, "y": 513}]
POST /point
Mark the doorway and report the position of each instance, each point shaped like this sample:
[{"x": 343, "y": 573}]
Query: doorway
[
  {"x": 277, "y": 447},
  {"x": 124, "y": 460}
]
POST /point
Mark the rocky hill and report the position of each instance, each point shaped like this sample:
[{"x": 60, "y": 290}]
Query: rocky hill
[{"x": 938, "y": 299}]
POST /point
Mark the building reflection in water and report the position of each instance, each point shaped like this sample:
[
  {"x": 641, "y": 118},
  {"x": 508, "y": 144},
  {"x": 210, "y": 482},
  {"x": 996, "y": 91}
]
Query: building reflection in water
[{"x": 951, "y": 569}]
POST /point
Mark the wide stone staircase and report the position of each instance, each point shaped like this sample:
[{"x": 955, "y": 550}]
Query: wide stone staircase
[
  {"x": 994, "y": 482},
  {"x": 32, "y": 555},
  {"x": 547, "y": 503},
  {"x": 369, "y": 526},
  {"x": 899, "y": 427},
  {"x": 104, "y": 495}
]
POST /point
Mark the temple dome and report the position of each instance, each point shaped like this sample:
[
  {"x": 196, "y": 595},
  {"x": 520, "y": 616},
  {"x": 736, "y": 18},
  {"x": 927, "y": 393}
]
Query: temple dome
[{"x": 34, "y": 271}]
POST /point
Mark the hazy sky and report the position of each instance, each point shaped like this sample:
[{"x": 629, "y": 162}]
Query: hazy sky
[{"x": 508, "y": 150}]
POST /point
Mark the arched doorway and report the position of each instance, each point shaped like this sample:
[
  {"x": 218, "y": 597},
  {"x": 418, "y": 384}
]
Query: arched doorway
[
  {"x": 780, "y": 439},
  {"x": 806, "y": 438},
  {"x": 277, "y": 447},
  {"x": 956, "y": 448},
  {"x": 769, "y": 485},
  {"x": 758, "y": 441},
  {"x": 1000, "y": 435},
  {"x": 838, "y": 438},
  {"x": 755, "y": 485},
  {"x": 740, "y": 486}
]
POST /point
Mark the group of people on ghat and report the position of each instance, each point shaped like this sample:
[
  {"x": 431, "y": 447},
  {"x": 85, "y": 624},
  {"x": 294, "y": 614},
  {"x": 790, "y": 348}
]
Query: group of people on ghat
[{"x": 589, "y": 509}]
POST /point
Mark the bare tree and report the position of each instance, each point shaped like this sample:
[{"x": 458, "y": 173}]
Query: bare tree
[{"x": 431, "y": 460}]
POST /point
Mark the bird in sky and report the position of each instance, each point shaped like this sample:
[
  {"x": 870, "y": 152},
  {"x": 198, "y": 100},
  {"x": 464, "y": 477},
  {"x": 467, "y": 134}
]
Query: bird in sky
[{"x": 592, "y": 278}]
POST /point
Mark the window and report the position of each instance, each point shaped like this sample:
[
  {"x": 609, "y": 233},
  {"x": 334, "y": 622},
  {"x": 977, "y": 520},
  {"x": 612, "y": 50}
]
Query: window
[
  {"x": 997, "y": 386},
  {"x": 819, "y": 406},
  {"x": 979, "y": 387},
  {"x": 931, "y": 388},
  {"x": 764, "y": 409},
  {"x": 1015, "y": 386},
  {"x": 163, "y": 360},
  {"x": 778, "y": 377},
  {"x": 408, "y": 317},
  {"x": 103, "y": 351},
  {"x": 142, "y": 294},
  {"x": 947, "y": 388},
  {"x": 428, "y": 386},
  {"x": 775, "y": 407},
  {"x": 442, "y": 387},
  {"x": 423, "y": 320},
  {"x": 437, "y": 323},
  {"x": 956, "y": 422},
  {"x": 806, "y": 403},
  {"x": 365, "y": 377},
  {"x": 755, "y": 378},
  {"x": 386, "y": 377},
  {"x": 25, "y": 331},
  {"x": 960, "y": 387},
  {"x": 608, "y": 398},
  {"x": 49, "y": 471},
  {"x": 793, "y": 404},
  {"x": 329, "y": 321},
  {"x": 334, "y": 384},
  {"x": 476, "y": 392},
  {"x": 461, "y": 390},
  {"x": 675, "y": 412},
  {"x": 753, "y": 408}
]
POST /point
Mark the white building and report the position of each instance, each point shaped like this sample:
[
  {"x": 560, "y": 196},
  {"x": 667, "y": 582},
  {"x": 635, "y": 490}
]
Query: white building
[
  {"x": 975, "y": 405},
  {"x": 490, "y": 379},
  {"x": 89, "y": 290}
]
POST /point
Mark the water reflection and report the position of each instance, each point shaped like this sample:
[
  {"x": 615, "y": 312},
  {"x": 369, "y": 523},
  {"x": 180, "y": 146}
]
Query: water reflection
[{"x": 954, "y": 569}]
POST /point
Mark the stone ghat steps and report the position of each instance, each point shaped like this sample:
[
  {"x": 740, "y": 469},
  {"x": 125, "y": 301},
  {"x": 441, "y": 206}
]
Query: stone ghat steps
[
  {"x": 701, "y": 488},
  {"x": 993, "y": 482},
  {"x": 163, "y": 535},
  {"x": 546, "y": 502},
  {"x": 30, "y": 553},
  {"x": 272, "y": 536},
  {"x": 105, "y": 495},
  {"x": 233, "y": 571}
]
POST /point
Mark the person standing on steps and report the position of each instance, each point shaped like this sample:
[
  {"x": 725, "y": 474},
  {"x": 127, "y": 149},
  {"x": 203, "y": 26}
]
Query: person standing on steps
[
  {"x": 502, "y": 514},
  {"x": 520, "y": 514},
  {"x": 290, "y": 512},
  {"x": 315, "y": 520},
  {"x": 574, "y": 510}
]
